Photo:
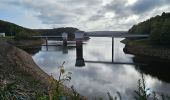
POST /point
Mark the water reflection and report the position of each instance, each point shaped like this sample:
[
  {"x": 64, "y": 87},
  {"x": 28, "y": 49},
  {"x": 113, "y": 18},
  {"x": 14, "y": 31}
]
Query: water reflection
[
  {"x": 155, "y": 67},
  {"x": 95, "y": 80},
  {"x": 32, "y": 50},
  {"x": 65, "y": 49}
]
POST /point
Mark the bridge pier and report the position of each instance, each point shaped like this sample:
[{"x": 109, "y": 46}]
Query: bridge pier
[
  {"x": 46, "y": 42},
  {"x": 112, "y": 49},
  {"x": 79, "y": 48},
  {"x": 65, "y": 36}
]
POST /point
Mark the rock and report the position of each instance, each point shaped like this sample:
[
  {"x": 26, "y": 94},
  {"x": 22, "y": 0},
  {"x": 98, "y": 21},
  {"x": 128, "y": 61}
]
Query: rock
[
  {"x": 151, "y": 51},
  {"x": 18, "y": 67}
]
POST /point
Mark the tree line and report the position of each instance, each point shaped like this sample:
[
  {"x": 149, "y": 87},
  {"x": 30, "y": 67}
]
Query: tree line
[
  {"x": 20, "y": 32},
  {"x": 157, "y": 27},
  {"x": 17, "y": 31}
]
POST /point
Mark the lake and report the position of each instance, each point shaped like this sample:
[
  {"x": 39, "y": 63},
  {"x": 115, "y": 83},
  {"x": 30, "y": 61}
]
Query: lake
[{"x": 94, "y": 80}]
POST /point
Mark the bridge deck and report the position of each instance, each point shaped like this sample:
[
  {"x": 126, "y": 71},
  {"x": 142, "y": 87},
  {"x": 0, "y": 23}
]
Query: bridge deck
[
  {"x": 107, "y": 62},
  {"x": 91, "y": 35},
  {"x": 46, "y": 36},
  {"x": 119, "y": 34},
  {"x": 113, "y": 35}
]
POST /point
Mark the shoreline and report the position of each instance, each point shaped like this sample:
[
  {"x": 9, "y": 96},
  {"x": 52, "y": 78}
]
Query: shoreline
[
  {"x": 143, "y": 48},
  {"x": 26, "y": 43}
]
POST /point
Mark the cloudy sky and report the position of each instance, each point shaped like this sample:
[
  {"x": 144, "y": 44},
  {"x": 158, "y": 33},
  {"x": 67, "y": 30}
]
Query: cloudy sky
[{"x": 88, "y": 15}]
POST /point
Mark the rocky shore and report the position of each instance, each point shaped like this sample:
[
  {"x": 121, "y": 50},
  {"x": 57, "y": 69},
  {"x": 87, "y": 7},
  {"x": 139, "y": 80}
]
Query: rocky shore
[
  {"x": 26, "y": 43},
  {"x": 141, "y": 48},
  {"x": 18, "y": 68}
]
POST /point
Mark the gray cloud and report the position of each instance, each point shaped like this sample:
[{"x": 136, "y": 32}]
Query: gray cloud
[
  {"x": 142, "y": 6},
  {"x": 91, "y": 14},
  {"x": 117, "y": 7},
  {"x": 96, "y": 17}
]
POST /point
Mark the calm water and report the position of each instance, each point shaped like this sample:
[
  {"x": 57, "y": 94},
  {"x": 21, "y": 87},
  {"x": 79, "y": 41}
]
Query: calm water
[{"x": 95, "y": 79}]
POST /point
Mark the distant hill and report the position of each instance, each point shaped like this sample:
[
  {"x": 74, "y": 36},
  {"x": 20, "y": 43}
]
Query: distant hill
[
  {"x": 20, "y": 32},
  {"x": 58, "y": 31},
  {"x": 11, "y": 28},
  {"x": 158, "y": 27}
]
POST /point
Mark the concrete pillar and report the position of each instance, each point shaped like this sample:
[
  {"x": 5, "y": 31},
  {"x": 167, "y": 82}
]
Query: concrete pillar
[
  {"x": 64, "y": 36},
  {"x": 65, "y": 49},
  {"x": 46, "y": 40},
  {"x": 112, "y": 49},
  {"x": 79, "y": 35}
]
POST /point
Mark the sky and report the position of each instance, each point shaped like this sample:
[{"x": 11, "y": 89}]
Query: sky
[{"x": 87, "y": 15}]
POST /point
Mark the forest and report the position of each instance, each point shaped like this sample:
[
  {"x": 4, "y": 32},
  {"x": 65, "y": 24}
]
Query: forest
[
  {"x": 157, "y": 27},
  {"x": 20, "y": 32}
]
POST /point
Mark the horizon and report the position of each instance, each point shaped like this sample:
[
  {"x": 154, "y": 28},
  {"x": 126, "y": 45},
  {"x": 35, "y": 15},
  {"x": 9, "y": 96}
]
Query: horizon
[{"x": 105, "y": 15}]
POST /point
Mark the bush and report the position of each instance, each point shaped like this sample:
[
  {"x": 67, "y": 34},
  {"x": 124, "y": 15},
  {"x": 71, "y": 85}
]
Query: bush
[
  {"x": 165, "y": 33},
  {"x": 155, "y": 36},
  {"x": 25, "y": 35}
]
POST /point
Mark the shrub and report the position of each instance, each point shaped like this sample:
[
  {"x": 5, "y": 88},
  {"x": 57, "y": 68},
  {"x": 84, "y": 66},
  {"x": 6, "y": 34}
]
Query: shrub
[{"x": 22, "y": 35}]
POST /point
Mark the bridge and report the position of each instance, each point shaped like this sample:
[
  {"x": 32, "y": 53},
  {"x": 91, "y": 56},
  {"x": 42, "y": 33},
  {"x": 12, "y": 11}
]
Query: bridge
[{"x": 80, "y": 35}]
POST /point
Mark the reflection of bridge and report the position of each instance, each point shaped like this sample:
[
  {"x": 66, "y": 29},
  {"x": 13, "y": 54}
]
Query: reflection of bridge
[{"x": 79, "y": 36}]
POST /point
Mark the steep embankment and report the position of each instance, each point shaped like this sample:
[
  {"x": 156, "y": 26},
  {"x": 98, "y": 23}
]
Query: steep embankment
[{"x": 18, "y": 67}]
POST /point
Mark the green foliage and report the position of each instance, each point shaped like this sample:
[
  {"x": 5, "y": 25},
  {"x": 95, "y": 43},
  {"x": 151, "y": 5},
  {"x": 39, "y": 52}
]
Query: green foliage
[
  {"x": 165, "y": 32},
  {"x": 155, "y": 35},
  {"x": 41, "y": 96},
  {"x": 141, "y": 93},
  {"x": 22, "y": 35},
  {"x": 58, "y": 31},
  {"x": 118, "y": 97},
  {"x": 6, "y": 92},
  {"x": 10, "y": 28},
  {"x": 158, "y": 27},
  {"x": 76, "y": 95},
  {"x": 7, "y": 38},
  {"x": 19, "y": 32},
  {"x": 55, "y": 91},
  {"x": 25, "y": 35}
]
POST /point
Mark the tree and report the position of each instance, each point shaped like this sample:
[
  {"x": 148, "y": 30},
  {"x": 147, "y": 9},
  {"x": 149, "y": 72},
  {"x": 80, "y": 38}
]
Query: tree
[
  {"x": 158, "y": 27},
  {"x": 22, "y": 35},
  {"x": 165, "y": 33}
]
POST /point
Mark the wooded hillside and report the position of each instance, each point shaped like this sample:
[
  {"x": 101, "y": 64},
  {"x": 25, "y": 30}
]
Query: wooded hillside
[
  {"x": 25, "y": 33},
  {"x": 158, "y": 27}
]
